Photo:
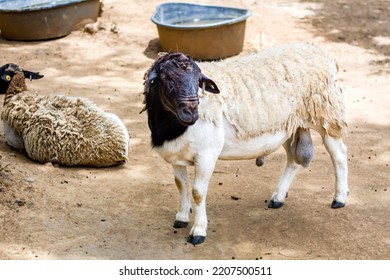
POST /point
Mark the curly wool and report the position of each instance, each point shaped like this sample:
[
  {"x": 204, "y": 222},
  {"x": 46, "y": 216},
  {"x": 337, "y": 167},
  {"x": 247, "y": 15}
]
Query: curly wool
[
  {"x": 69, "y": 131},
  {"x": 278, "y": 89}
]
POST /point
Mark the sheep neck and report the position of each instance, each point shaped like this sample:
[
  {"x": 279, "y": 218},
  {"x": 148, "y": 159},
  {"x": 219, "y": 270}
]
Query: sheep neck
[
  {"x": 163, "y": 124},
  {"x": 16, "y": 86}
]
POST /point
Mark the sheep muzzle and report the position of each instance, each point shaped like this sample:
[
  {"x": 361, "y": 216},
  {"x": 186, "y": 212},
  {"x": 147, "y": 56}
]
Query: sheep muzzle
[{"x": 187, "y": 111}]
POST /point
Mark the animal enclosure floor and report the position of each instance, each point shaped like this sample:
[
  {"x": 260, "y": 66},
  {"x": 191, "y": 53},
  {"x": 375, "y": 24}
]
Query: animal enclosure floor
[{"x": 127, "y": 212}]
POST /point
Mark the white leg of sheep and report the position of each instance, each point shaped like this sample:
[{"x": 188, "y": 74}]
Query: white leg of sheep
[
  {"x": 181, "y": 180},
  {"x": 204, "y": 167},
  {"x": 338, "y": 153},
  {"x": 277, "y": 199}
]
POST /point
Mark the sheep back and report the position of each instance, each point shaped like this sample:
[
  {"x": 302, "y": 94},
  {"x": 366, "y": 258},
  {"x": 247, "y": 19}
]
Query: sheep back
[
  {"x": 69, "y": 131},
  {"x": 278, "y": 89}
]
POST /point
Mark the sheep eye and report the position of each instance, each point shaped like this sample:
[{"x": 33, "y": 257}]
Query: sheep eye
[{"x": 8, "y": 78}]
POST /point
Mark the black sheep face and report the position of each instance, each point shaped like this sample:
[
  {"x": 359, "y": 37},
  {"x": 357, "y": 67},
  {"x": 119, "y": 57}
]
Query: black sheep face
[
  {"x": 176, "y": 79},
  {"x": 7, "y": 72}
]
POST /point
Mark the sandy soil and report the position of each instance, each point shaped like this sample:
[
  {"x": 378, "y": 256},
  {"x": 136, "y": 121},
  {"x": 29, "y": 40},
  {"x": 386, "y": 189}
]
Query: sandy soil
[{"x": 127, "y": 212}]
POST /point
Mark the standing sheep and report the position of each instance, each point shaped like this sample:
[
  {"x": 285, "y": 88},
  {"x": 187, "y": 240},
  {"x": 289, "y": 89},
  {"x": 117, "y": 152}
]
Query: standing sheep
[
  {"x": 266, "y": 100},
  {"x": 69, "y": 131}
]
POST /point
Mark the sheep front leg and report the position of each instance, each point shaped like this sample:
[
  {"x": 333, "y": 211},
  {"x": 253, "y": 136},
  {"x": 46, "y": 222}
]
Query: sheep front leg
[
  {"x": 277, "y": 199},
  {"x": 204, "y": 167},
  {"x": 181, "y": 180},
  {"x": 338, "y": 153}
]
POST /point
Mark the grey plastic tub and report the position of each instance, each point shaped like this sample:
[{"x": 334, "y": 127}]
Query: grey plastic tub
[
  {"x": 45, "y": 19},
  {"x": 202, "y": 31}
]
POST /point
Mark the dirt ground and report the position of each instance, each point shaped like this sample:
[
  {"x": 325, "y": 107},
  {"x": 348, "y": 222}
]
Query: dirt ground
[{"x": 127, "y": 212}]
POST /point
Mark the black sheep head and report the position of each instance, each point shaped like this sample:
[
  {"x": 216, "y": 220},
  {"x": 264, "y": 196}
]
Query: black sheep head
[
  {"x": 7, "y": 72},
  {"x": 173, "y": 82}
]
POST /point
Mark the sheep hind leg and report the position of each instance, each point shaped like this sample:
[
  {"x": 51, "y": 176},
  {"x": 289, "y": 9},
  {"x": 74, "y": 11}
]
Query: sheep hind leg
[
  {"x": 338, "y": 153},
  {"x": 181, "y": 180},
  {"x": 277, "y": 199}
]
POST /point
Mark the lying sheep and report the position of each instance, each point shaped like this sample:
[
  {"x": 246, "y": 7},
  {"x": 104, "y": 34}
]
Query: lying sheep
[
  {"x": 266, "y": 100},
  {"x": 70, "y": 131}
]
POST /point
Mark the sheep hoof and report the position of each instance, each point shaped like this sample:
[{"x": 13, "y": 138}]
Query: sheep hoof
[
  {"x": 180, "y": 224},
  {"x": 336, "y": 204},
  {"x": 195, "y": 240},
  {"x": 275, "y": 204}
]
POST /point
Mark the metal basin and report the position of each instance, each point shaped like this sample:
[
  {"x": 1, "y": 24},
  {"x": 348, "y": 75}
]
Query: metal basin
[
  {"x": 202, "y": 31},
  {"x": 45, "y": 19}
]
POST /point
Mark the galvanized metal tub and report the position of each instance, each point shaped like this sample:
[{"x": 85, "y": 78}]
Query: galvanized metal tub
[
  {"x": 202, "y": 31},
  {"x": 45, "y": 19}
]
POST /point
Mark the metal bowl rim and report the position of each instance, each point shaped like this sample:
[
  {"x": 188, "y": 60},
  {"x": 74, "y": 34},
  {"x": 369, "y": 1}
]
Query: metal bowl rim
[
  {"x": 43, "y": 6},
  {"x": 243, "y": 17}
]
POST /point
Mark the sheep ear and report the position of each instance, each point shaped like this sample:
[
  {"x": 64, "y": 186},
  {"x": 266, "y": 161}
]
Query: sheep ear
[
  {"x": 32, "y": 75},
  {"x": 150, "y": 80},
  {"x": 209, "y": 85},
  {"x": 2, "y": 68}
]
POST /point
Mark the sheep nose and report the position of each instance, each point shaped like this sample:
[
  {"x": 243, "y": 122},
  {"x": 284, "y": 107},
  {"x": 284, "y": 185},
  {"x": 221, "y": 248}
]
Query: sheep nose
[
  {"x": 190, "y": 106},
  {"x": 193, "y": 106}
]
